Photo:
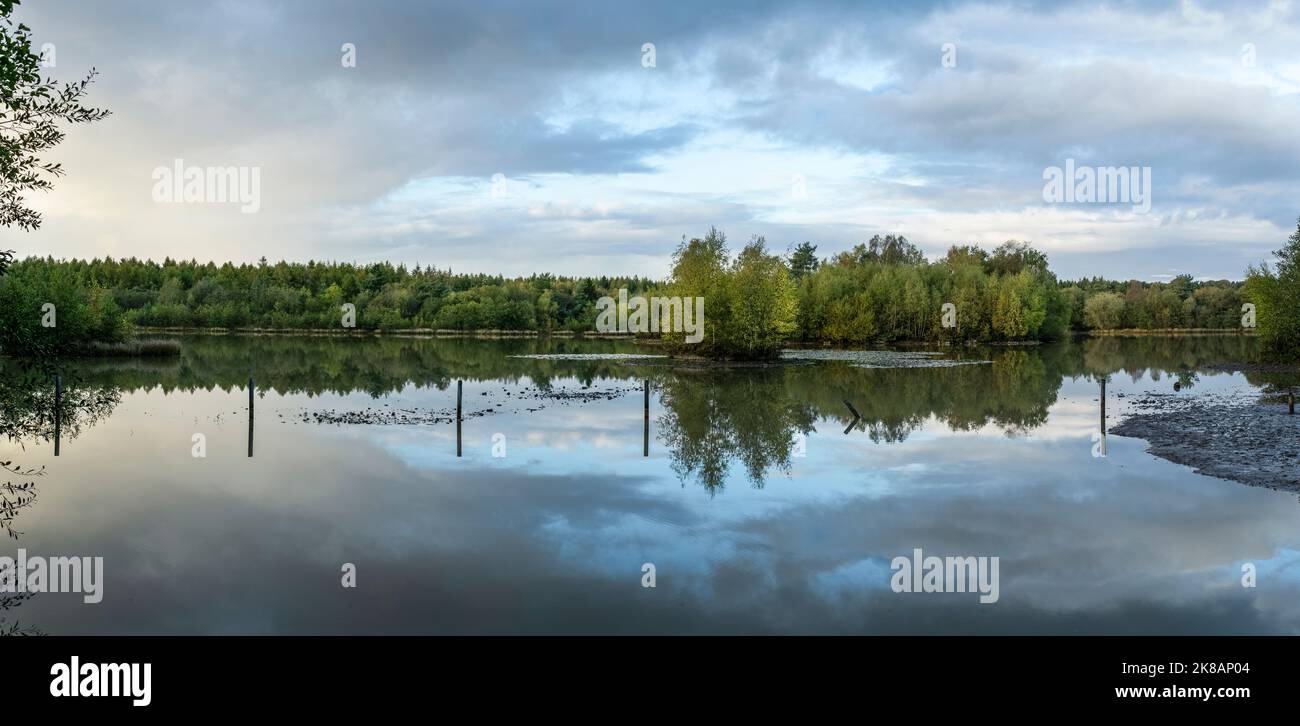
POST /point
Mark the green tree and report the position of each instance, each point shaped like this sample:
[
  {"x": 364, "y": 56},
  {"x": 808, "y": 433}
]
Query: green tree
[
  {"x": 1009, "y": 319},
  {"x": 889, "y": 250},
  {"x": 762, "y": 299},
  {"x": 30, "y": 112},
  {"x": 750, "y": 303},
  {"x": 1104, "y": 311},
  {"x": 1011, "y": 257},
  {"x": 803, "y": 260},
  {"x": 700, "y": 270},
  {"x": 1276, "y": 295}
]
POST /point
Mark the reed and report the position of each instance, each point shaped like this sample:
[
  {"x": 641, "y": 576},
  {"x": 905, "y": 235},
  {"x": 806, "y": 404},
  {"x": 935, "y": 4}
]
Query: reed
[{"x": 135, "y": 349}]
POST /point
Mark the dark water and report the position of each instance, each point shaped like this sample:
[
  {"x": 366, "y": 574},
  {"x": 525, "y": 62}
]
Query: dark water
[{"x": 758, "y": 510}]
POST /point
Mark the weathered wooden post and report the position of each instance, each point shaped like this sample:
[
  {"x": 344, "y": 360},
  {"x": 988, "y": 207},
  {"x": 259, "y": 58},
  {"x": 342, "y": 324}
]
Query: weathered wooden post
[
  {"x": 459, "y": 388},
  {"x": 58, "y": 410},
  {"x": 857, "y": 417},
  {"x": 250, "y": 417},
  {"x": 645, "y": 435},
  {"x": 852, "y": 410},
  {"x": 1290, "y": 402},
  {"x": 1103, "y": 406}
]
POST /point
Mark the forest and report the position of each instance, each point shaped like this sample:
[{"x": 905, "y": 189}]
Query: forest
[{"x": 884, "y": 290}]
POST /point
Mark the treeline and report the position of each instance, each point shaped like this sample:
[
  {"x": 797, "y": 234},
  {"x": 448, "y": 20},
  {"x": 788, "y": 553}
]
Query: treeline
[
  {"x": 1007, "y": 294},
  {"x": 1097, "y": 304},
  {"x": 99, "y": 300},
  {"x": 884, "y": 290},
  {"x": 386, "y": 296}
]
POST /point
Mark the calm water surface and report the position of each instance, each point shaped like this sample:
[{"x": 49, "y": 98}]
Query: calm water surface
[{"x": 760, "y": 513}]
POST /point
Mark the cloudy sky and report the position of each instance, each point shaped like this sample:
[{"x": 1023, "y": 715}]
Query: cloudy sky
[{"x": 827, "y": 122}]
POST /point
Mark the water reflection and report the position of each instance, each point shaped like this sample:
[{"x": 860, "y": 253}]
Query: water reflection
[
  {"x": 758, "y": 510},
  {"x": 1101, "y": 406},
  {"x": 35, "y": 405},
  {"x": 712, "y": 418}
]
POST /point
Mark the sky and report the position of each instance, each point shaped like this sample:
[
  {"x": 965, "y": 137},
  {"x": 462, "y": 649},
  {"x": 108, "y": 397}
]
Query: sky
[{"x": 521, "y": 137}]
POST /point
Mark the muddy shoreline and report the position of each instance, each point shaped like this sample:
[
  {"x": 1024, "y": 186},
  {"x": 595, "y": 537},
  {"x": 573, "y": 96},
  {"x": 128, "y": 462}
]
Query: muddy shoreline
[{"x": 1242, "y": 437}]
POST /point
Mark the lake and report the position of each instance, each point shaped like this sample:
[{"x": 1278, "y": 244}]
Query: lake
[{"x": 762, "y": 503}]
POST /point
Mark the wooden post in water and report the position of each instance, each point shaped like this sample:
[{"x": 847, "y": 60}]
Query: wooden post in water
[
  {"x": 645, "y": 436},
  {"x": 459, "y": 386},
  {"x": 857, "y": 417},
  {"x": 250, "y": 417},
  {"x": 1103, "y": 406},
  {"x": 58, "y": 410},
  {"x": 1290, "y": 403}
]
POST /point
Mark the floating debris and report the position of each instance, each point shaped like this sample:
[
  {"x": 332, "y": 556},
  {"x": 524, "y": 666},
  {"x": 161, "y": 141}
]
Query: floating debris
[
  {"x": 880, "y": 358},
  {"x": 589, "y": 356},
  {"x": 390, "y": 417},
  {"x": 387, "y": 415},
  {"x": 585, "y": 394}
]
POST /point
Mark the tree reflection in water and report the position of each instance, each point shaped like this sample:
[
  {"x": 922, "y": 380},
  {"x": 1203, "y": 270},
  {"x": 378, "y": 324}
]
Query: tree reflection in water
[
  {"x": 27, "y": 414},
  {"x": 755, "y": 416},
  {"x": 713, "y": 417},
  {"x": 710, "y": 418}
]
